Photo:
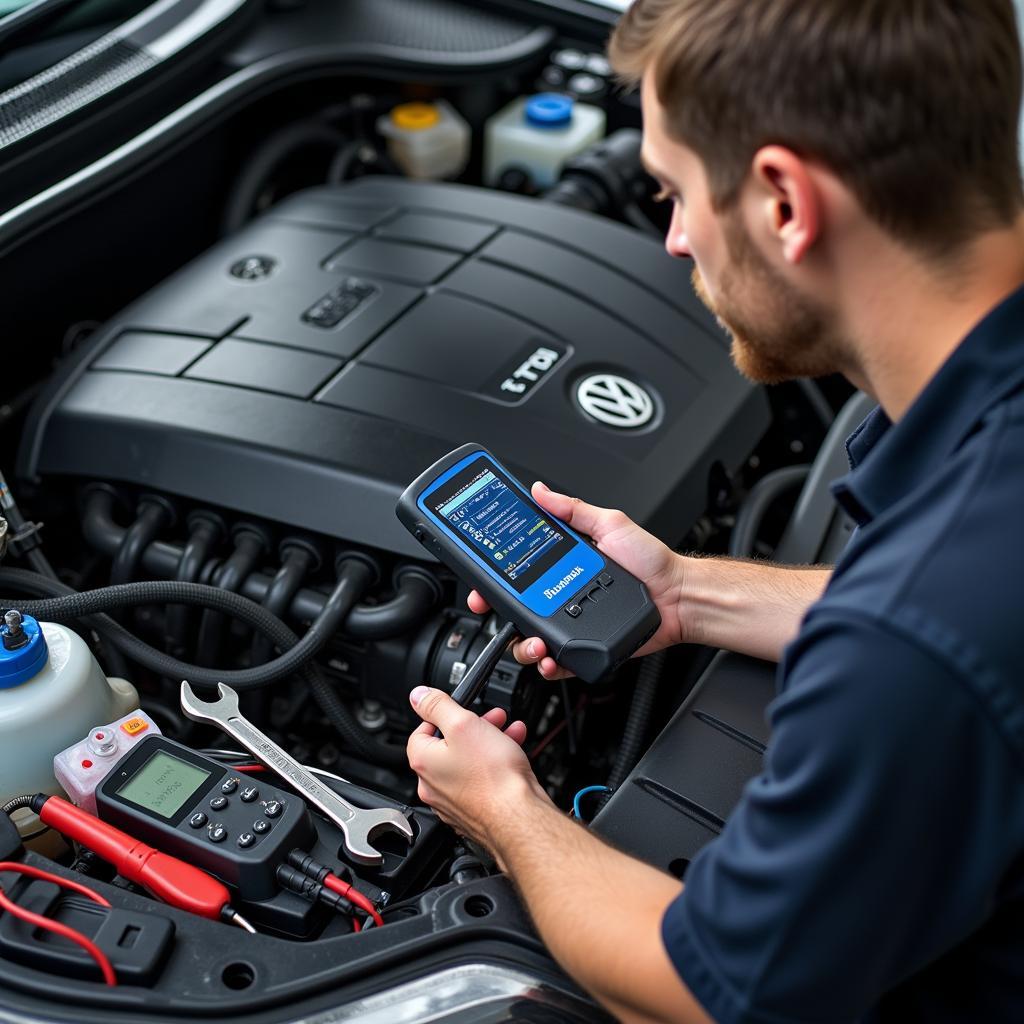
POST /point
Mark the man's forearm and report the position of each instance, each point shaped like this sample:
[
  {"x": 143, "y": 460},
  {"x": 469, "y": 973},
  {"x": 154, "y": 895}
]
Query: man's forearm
[
  {"x": 598, "y": 911},
  {"x": 754, "y": 608}
]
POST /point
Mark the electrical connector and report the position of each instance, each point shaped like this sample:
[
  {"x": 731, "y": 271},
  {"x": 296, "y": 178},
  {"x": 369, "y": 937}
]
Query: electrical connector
[{"x": 308, "y": 888}]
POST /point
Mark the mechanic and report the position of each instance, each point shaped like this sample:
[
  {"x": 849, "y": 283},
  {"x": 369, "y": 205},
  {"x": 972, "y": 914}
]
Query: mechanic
[{"x": 845, "y": 175}]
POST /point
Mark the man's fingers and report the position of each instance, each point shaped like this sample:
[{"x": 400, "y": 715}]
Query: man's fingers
[
  {"x": 423, "y": 729},
  {"x": 496, "y": 716},
  {"x": 578, "y": 514},
  {"x": 529, "y": 651},
  {"x": 517, "y": 732},
  {"x": 550, "y": 669},
  {"x": 437, "y": 708},
  {"x": 477, "y": 604}
]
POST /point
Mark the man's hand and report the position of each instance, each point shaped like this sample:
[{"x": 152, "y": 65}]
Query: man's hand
[
  {"x": 750, "y": 607},
  {"x": 579, "y": 891},
  {"x": 476, "y": 771},
  {"x": 636, "y": 550}
]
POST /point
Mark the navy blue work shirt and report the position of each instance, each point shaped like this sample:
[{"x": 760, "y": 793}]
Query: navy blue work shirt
[{"x": 874, "y": 870}]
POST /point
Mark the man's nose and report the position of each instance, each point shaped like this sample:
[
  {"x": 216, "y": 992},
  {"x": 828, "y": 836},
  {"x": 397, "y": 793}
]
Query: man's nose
[{"x": 676, "y": 243}]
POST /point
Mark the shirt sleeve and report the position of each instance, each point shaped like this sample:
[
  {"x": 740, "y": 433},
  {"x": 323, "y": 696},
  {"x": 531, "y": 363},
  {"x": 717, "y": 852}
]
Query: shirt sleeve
[{"x": 873, "y": 840}]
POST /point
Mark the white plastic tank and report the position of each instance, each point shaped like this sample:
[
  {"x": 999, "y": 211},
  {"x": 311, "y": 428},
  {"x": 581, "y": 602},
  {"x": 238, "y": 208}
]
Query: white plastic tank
[
  {"x": 539, "y": 134},
  {"x": 52, "y": 691},
  {"x": 427, "y": 140}
]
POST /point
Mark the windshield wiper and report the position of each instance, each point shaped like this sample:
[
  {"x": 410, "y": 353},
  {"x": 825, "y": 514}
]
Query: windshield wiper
[{"x": 31, "y": 16}]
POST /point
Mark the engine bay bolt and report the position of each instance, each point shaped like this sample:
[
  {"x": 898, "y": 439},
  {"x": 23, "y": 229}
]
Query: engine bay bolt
[
  {"x": 15, "y": 636},
  {"x": 371, "y": 715}
]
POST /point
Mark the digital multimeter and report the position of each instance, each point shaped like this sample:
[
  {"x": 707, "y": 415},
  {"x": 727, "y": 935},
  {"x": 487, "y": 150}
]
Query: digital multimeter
[
  {"x": 198, "y": 810},
  {"x": 534, "y": 570}
]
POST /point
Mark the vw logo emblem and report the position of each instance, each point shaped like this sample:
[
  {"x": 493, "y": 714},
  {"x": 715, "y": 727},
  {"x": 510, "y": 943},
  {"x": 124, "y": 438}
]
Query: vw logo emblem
[{"x": 615, "y": 401}]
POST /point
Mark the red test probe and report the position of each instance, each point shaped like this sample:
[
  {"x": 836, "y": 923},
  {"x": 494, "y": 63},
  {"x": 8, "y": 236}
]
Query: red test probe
[{"x": 179, "y": 884}]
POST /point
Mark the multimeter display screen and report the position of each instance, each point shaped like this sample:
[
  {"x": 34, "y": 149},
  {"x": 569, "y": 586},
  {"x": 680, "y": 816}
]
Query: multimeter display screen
[
  {"x": 163, "y": 784},
  {"x": 492, "y": 517}
]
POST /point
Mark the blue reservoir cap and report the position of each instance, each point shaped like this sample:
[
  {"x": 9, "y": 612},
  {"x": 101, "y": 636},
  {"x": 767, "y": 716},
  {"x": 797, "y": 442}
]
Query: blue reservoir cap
[
  {"x": 549, "y": 110},
  {"x": 25, "y": 662}
]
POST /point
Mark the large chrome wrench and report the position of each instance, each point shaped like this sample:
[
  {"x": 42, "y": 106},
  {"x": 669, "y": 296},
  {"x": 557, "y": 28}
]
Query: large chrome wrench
[{"x": 358, "y": 825}]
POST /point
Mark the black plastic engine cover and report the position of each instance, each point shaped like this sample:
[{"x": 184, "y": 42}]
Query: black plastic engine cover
[{"x": 309, "y": 367}]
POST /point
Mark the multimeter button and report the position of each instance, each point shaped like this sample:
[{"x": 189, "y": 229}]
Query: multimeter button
[
  {"x": 218, "y": 803},
  {"x": 246, "y": 839},
  {"x": 260, "y": 826},
  {"x": 218, "y": 834},
  {"x": 574, "y": 610},
  {"x": 596, "y": 594},
  {"x": 229, "y": 785},
  {"x": 605, "y": 579},
  {"x": 249, "y": 794},
  {"x": 198, "y": 820},
  {"x": 272, "y": 808}
]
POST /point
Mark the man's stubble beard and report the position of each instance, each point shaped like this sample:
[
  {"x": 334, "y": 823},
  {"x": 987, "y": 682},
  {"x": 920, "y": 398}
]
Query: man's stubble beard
[{"x": 778, "y": 333}]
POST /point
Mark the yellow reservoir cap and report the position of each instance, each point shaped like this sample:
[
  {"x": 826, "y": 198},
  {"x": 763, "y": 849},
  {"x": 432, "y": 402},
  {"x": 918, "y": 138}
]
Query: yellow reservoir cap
[{"x": 415, "y": 117}]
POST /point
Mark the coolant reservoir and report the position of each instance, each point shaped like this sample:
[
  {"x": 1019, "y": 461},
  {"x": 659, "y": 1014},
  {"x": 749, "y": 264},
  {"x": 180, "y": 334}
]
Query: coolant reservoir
[
  {"x": 427, "y": 140},
  {"x": 52, "y": 691},
  {"x": 539, "y": 134}
]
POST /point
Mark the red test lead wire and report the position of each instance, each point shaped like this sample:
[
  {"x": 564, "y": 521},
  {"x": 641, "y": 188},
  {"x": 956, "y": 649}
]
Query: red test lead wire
[
  {"x": 353, "y": 895},
  {"x": 169, "y": 879},
  {"x": 46, "y": 923}
]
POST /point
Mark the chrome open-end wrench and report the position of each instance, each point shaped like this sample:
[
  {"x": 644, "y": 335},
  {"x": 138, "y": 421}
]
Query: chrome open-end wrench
[{"x": 357, "y": 824}]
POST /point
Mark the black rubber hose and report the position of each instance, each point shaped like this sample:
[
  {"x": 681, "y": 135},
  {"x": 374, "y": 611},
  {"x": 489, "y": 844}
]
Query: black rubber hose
[
  {"x": 417, "y": 590},
  {"x": 153, "y": 516},
  {"x": 281, "y": 591},
  {"x": 250, "y": 548},
  {"x": 267, "y": 157},
  {"x": 342, "y": 161},
  {"x": 756, "y": 504},
  {"x": 354, "y": 576},
  {"x": 40, "y": 563},
  {"x": 206, "y": 531},
  {"x": 639, "y": 718}
]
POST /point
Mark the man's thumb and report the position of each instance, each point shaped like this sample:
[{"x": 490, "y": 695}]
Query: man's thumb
[
  {"x": 436, "y": 707},
  {"x": 578, "y": 514}
]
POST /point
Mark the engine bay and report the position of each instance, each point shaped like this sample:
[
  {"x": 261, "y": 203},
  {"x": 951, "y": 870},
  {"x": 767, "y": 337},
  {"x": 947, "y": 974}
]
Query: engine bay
[{"x": 236, "y": 349}]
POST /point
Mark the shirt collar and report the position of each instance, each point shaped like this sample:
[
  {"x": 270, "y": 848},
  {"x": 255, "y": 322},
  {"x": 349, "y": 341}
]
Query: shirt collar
[{"x": 986, "y": 366}]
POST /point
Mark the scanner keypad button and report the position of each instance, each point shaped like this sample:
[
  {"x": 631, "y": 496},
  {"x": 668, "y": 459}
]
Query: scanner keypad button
[{"x": 573, "y": 610}]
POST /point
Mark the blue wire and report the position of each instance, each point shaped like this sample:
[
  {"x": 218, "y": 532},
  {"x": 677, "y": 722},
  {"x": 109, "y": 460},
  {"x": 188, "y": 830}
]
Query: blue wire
[{"x": 582, "y": 793}]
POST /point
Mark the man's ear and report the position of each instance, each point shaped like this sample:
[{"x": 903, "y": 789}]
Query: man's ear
[{"x": 789, "y": 200}]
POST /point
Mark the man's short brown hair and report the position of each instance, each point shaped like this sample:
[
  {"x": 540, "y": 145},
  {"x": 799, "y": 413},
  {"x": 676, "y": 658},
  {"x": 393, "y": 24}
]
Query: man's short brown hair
[{"x": 914, "y": 104}]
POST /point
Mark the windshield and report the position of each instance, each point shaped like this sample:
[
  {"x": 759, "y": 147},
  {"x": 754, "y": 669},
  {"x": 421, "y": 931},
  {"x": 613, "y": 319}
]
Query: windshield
[{"x": 60, "y": 30}]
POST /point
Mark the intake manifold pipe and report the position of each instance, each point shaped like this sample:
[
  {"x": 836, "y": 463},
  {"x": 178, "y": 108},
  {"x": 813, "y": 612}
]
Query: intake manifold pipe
[
  {"x": 417, "y": 590},
  {"x": 251, "y": 545},
  {"x": 206, "y": 530},
  {"x": 154, "y": 515},
  {"x": 298, "y": 559}
]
